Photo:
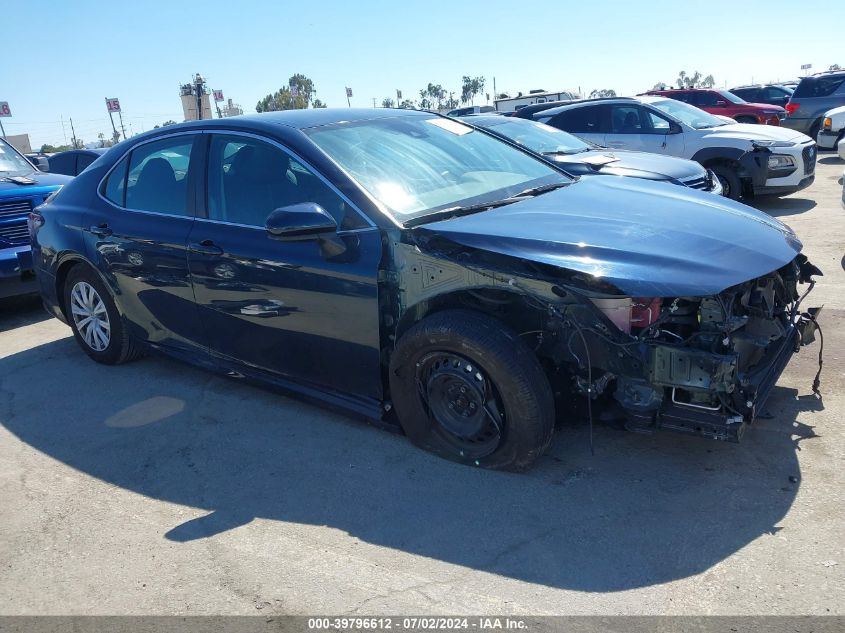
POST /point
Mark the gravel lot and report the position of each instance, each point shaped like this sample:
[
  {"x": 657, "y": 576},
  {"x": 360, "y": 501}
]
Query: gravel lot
[{"x": 155, "y": 488}]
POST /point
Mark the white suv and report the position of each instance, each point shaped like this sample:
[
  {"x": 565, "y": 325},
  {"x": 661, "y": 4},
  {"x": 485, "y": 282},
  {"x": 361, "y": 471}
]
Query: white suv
[
  {"x": 832, "y": 130},
  {"x": 748, "y": 159}
]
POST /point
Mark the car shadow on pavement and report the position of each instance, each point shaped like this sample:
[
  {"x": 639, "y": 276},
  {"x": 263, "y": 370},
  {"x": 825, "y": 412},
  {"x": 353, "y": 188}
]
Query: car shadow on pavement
[
  {"x": 643, "y": 510},
  {"x": 19, "y": 311},
  {"x": 777, "y": 207},
  {"x": 831, "y": 160}
]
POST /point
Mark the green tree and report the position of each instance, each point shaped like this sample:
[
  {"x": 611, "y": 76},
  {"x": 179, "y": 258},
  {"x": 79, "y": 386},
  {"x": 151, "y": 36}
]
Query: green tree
[
  {"x": 165, "y": 124},
  {"x": 407, "y": 104},
  {"x": 604, "y": 92},
  {"x": 53, "y": 149},
  {"x": 318, "y": 104},
  {"x": 470, "y": 87},
  {"x": 387, "y": 102},
  {"x": 696, "y": 80},
  {"x": 835, "y": 67},
  {"x": 295, "y": 96}
]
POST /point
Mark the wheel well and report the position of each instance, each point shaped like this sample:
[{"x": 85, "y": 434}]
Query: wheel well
[
  {"x": 61, "y": 276},
  {"x": 513, "y": 309},
  {"x": 745, "y": 117}
]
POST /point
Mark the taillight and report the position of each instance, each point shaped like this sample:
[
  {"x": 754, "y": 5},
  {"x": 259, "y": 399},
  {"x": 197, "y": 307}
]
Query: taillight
[{"x": 792, "y": 107}]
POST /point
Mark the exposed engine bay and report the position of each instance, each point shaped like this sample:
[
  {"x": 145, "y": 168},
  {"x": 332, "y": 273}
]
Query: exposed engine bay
[{"x": 702, "y": 365}]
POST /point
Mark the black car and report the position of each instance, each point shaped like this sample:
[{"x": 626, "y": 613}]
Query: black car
[
  {"x": 73, "y": 162},
  {"x": 420, "y": 272},
  {"x": 585, "y": 159},
  {"x": 773, "y": 94}
]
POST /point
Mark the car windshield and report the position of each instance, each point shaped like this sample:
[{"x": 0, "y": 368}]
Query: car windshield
[
  {"x": 692, "y": 116},
  {"x": 418, "y": 165},
  {"x": 12, "y": 163},
  {"x": 539, "y": 137},
  {"x": 731, "y": 97}
]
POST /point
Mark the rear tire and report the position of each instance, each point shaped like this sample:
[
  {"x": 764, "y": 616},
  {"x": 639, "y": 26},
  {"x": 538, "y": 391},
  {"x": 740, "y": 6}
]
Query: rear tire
[
  {"x": 814, "y": 129},
  {"x": 731, "y": 183},
  {"x": 468, "y": 389},
  {"x": 97, "y": 324}
]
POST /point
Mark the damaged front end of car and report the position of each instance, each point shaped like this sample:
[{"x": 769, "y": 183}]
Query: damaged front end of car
[{"x": 700, "y": 365}]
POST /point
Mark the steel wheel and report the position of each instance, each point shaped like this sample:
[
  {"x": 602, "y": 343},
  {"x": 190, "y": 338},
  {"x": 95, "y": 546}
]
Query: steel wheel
[
  {"x": 90, "y": 316},
  {"x": 462, "y": 402}
]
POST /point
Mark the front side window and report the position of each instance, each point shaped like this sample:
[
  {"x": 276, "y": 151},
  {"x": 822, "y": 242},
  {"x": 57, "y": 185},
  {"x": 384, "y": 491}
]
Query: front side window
[
  {"x": 625, "y": 119},
  {"x": 415, "y": 165},
  {"x": 248, "y": 179},
  {"x": 157, "y": 178}
]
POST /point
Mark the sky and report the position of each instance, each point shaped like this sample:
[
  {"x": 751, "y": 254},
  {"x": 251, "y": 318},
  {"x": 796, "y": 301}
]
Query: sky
[{"x": 62, "y": 59}]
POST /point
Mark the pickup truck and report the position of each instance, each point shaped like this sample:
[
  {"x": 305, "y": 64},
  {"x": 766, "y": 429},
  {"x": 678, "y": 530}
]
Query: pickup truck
[{"x": 22, "y": 188}]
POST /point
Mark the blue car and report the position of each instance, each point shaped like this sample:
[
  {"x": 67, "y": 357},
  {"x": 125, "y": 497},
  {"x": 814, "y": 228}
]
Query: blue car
[
  {"x": 22, "y": 188},
  {"x": 419, "y": 272}
]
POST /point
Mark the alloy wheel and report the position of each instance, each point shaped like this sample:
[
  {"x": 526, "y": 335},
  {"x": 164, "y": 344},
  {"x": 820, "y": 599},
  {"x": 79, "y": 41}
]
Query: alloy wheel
[{"x": 90, "y": 316}]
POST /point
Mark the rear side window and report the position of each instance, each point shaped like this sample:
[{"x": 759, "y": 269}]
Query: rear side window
[
  {"x": 704, "y": 99},
  {"x": 116, "y": 183},
  {"x": 818, "y": 86},
  {"x": 158, "y": 176},
  {"x": 64, "y": 164},
  {"x": 585, "y": 120},
  {"x": 83, "y": 161}
]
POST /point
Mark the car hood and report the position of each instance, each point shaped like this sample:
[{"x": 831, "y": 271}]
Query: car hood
[
  {"x": 648, "y": 239},
  {"x": 44, "y": 184},
  {"x": 836, "y": 112},
  {"x": 625, "y": 163},
  {"x": 749, "y": 132}
]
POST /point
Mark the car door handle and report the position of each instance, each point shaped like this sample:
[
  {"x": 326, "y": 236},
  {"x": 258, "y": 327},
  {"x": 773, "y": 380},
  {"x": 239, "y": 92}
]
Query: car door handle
[
  {"x": 206, "y": 247},
  {"x": 101, "y": 230}
]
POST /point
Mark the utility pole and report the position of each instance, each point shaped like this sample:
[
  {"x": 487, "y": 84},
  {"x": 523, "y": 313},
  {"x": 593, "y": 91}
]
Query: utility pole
[
  {"x": 73, "y": 132},
  {"x": 198, "y": 91},
  {"x": 495, "y": 94},
  {"x": 63, "y": 128},
  {"x": 114, "y": 129},
  {"x": 374, "y": 102},
  {"x": 2, "y": 130},
  {"x": 120, "y": 114}
]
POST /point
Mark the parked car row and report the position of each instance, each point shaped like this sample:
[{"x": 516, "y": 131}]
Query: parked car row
[
  {"x": 450, "y": 278},
  {"x": 747, "y": 159}
]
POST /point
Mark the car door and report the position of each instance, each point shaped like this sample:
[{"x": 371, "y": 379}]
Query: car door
[
  {"x": 631, "y": 128},
  {"x": 304, "y": 309},
  {"x": 137, "y": 232}
]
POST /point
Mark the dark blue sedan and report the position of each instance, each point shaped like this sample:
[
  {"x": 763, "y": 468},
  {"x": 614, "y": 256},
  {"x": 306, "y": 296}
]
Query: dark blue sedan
[{"x": 419, "y": 272}]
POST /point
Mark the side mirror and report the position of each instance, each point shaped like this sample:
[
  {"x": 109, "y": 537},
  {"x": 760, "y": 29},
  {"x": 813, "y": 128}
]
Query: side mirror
[
  {"x": 302, "y": 221},
  {"x": 674, "y": 128}
]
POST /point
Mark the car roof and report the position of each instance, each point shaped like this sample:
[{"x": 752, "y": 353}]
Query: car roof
[
  {"x": 313, "y": 117},
  {"x": 585, "y": 102},
  {"x": 82, "y": 150}
]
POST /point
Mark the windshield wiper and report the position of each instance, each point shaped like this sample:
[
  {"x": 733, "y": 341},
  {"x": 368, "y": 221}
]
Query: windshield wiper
[
  {"x": 538, "y": 191},
  {"x": 454, "y": 212},
  {"x": 566, "y": 152}
]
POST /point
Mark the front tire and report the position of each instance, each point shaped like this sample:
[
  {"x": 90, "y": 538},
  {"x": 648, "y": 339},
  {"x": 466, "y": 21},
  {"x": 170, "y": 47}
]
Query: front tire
[
  {"x": 97, "y": 324},
  {"x": 468, "y": 389},
  {"x": 730, "y": 181}
]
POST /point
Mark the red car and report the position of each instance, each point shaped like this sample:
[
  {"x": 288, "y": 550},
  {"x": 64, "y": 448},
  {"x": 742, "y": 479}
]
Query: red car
[{"x": 726, "y": 104}]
